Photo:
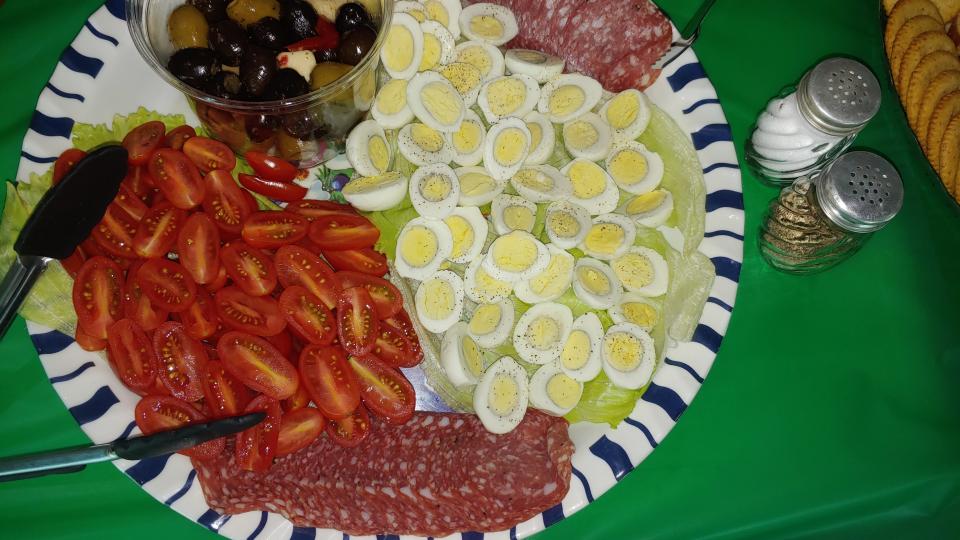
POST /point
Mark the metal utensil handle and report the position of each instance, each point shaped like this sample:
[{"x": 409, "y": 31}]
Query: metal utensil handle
[
  {"x": 697, "y": 18},
  {"x": 55, "y": 462},
  {"x": 16, "y": 285}
]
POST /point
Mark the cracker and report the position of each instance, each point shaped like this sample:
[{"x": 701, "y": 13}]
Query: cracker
[
  {"x": 908, "y": 32},
  {"x": 903, "y": 11},
  {"x": 949, "y": 160},
  {"x": 941, "y": 85},
  {"x": 921, "y": 46},
  {"x": 929, "y": 67},
  {"x": 947, "y": 108}
]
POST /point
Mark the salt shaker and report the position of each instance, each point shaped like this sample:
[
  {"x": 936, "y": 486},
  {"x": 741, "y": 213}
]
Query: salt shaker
[
  {"x": 817, "y": 223},
  {"x": 807, "y": 125}
]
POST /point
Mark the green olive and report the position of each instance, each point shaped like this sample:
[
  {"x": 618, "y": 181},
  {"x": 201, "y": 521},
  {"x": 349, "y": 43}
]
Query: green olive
[
  {"x": 247, "y": 12},
  {"x": 327, "y": 72},
  {"x": 188, "y": 27}
]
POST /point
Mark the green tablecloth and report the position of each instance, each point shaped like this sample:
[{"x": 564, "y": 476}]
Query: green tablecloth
[{"x": 832, "y": 410}]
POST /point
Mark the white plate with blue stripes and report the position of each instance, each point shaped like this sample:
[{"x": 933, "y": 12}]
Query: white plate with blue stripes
[{"x": 100, "y": 74}]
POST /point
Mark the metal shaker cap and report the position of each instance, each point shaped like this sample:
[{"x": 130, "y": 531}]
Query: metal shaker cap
[
  {"x": 860, "y": 192},
  {"x": 839, "y": 96}
]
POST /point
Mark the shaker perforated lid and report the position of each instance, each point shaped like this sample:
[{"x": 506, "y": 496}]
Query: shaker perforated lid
[
  {"x": 839, "y": 96},
  {"x": 860, "y": 192}
]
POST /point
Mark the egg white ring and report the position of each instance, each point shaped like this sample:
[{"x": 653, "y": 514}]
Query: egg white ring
[
  {"x": 564, "y": 322},
  {"x": 396, "y": 120},
  {"x": 358, "y": 148},
  {"x": 382, "y": 198},
  {"x": 660, "y": 268},
  {"x": 470, "y": 284},
  {"x": 597, "y": 301},
  {"x": 498, "y": 170},
  {"x": 506, "y": 18},
  {"x": 485, "y": 198},
  {"x": 522, "y": 288},
  {"x": 470, "y": 98},
  {"x": 451, "y": 357},
  {"x": 475, "y": 156},
  {"x": 480, "y": 230},
  {"x": 439, "y": 326},
  {"x": 656, "y": 217},
  {"x": 446, "y": 39},
  {"x": 561, "y": 185},
  {"x": 406, "y": 6},
  {"x": 434, "y": 209},
  {"x": 592, "y": 90},
  {"x": 638, "y": 126},
  {"x": 640, "y": 375},
  {"x": 453, "y": 9},
  {"x": 538, "y": 386},
  {"x": 417, "y": 84},
  {"x": 604, "y": 203},
  {"x": 416, "y": 56},
  {"x": 617, "y": 315},
  {"x": 539, "y": 265},
  {"x": 497, "y": 68},
  {"x": 444, "y": 245},
  {"x": 550, "y": 67},
  {"x": 502, "y": 202},
  {"x": 531, "y": 97},
  {"x": 416, "y": 155},
  {"x": 590, "y": 324},
  {"x": 579, "y": 213},
  {"x": 543, "y": 151},
  {"x": 501, "y": 333},
  {"x": 655, "y": 168},
  {"x": 491, "y": 421},
  {"x": 600, "y": 148},
  {"x": 629, "y": 236}
]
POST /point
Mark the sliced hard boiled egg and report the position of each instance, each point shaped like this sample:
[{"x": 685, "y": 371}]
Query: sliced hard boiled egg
[
  {"x": 567, "y": 224},
  {"x": 422, "y": 145},
  {"x": 490, "y": 324},
  {"x": 481, "y": 287},
  {"x": 629, "y": 356},
  {"x": 541, "y": 183},
  {"x": 587, "y": 136},
  {"x": 634, "y": 168},
  {"x": 593, "y": 189},
  {"x": 650, "y": 209},
  {"x": 434, "y": 190},
  {"x": 490, "y": 23},
  {"x": 483, "y": 56},
  {"x": 466, "y": 78},
  {"x": 540, "y": 66},
  {"x": 460, "y": 357},
  {"x": 468, "y": 140},
  {"x": 422, "y": 247},
  {"x": 512, "y": 213},
  {"x": 439, "y": 301},
  {"x": 402, "y": 49},
  {"x": 542, "y": 138},
  {"x": 438, "y": 45},
  {"x": 609, "y": 237},
  {"x": 643, "y": 271},
  {"x": 569, "y": 96},
  {"x": 477, "y": 187},
  {"x": 516, "y": 256},
  {"x": 506, "y": 148},
  {"x": 580, "y": 357},
  {"x": 637, "y": 309},
  {"x": 445, "y": 12},
  {"x": 368, "y": 150},
  {"x": 508, "y": 96},
  {"x": 411, "y": 8},
  {"x": 501, "y": 396},
  {"x": 542, "y": 331},
  {"x": 376, "y": 193},
  {"x": 390, "y": 107},
  {"x": 553, "y": 391},
  {"x": 550, "y": 284},
  {"x": 469, "y": 232},
  {"x": 435, "y": 102},
  {"x": 595, "y": 284},
  {"x": 628, "y": 114}
]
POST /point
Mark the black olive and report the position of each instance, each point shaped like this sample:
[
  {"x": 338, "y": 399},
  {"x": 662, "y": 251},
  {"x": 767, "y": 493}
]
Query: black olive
[
  {"x": 326, "y": 55},
  {"x": 350, "y": 16},
  {"x": 213, "y": 10},
  {"x": 299, "y": 18},
  {"x": 287, "y": 84},
  {"x": 301, "y": 124},
  {"x": 269, "y": 32},
  {"x": 257, "y": 68},
  {"x": 260, "y": 127},
  {"x": 229, "y": 41},
  {"x": 194, "y": 65},
  {"x": 225, "y": 84},
  {"x": 355, "y": 44}
]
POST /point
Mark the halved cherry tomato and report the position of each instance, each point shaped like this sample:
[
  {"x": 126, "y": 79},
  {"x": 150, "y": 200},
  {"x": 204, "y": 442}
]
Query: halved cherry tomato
[
  {"x": 167, "y": 284},
  {"x": 73, "y": 263},
  {"x": 386, "y": 297},
  {"x": 139, "y": 182},
  {"x": 114, "y": 234},
  {"x": 250, "y": 269},
  {"x": 200, "y": 319},
  {"x": 220, "y": 281},
  {"x": 274, "y": 189},
  {"x": 224, "y": 393},
  {"x": 297, "y": 266},
  {"x": 314, "y": 209},
  {"x": 198, "y": 245},
  {"x": 177, "y": 177},
  {"x": 179, "y": 135},
  {"x": 283, "y": 342},
  {"x": 226, "y": 203},
  {"x": 329, "y": 380},
  {"x": 257, "y": 446},
  {"x": 258, "y": 364},
  {"x": 384, "y": 390},
  {"x": 158, "y": 231},
  {"x": 131, "y": 355},
  {"x": 357, "y": 323},
  {"x": 271, "y": 229},
  {"x": 158, "y": 389},
  {"x": 163, "y": 413},
  {"x": 270, "y": 167},
  {"x": 137, "y": 307},
  {"x": 88, "y": 342},
  {"x": 401, "y": 322},
  {"x": 298, "y": 429},
  {"x": 209, "y": 155},
  {"x": 66, "y": 161},
  {"x": 143, "y": 140},
  {"x": 298, "y": 400},
  {"x": 307, "y": 316},
  {"x": 129, "y": 201},
  {"x": 394, "y": 349},
  {"x": 251, "y": 200},
  {"x": 366, "y": 261},
  {"x": 257, "y": 315},
  {"x": 349, "y": 432},
  {"x": 98, "y": 296},
  {"x": 180, "y": 360},
  {"x": 343, "y": 231}
]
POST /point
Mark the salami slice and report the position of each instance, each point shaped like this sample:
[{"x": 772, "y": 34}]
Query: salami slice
[{"x": 438, "y": 474}]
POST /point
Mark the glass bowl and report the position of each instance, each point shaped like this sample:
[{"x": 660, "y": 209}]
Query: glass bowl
[{"x": 306, "y": 130}]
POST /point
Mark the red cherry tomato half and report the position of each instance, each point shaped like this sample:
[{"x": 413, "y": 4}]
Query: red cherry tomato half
[
  {"x": 329, "y": 380},
  {"x": 177, "y": 178},
  {"x": 386, "y": 297},
  {"x": 343, "y": 231},
  {"x": 313, "y": 209},
  {"x": 220, "y": 281},
  {"x": 270, "y": 167},
  {"x": 198, "y": 245},
  {"x": 257, "y": 446},
  {"x": 130, "y": 202},
  {"x": 298, "y": 429},
  {"x": 179, "y": 360},
  {"x": 308, "y": 316},
  {"x": 137, "y": 307},
  {"x": 297, "y": 266},
  {"x": 66, "y": 162},
  {"x": 401, "y": 322},
  {"x": 274, "y": 189},
  {"x": 349, "y": 432},
  {"x": 271, "y": 230},
  {"x": 257, "y": 315},
  {"x": 88, "y": 342},
  {"x": 283, "y": 342},
  {"x": 209, "y": 155},
  {"x": 298, "y": 400},
  {"x": 179, "y": 135},
  {"x": 200, "y": 319},
  {"x": 357, "y": 323},
  {"x": 224, "y": 393},
  {"x": 384, "y": 390},
  {"x": 250, "y": 269},
  {"x": 226, "y": 202},
  {"x": 158, "y": 230},
  {"x": 366, "y": 261},
  {"x": 143, "y": 140},
  {"x": 258, "y": 364},
  {"x": 139, "y": 182},
  {"x": 394, "y": 349},
  {"x": 131, "y": 355},
  {"x": 98, "y": 296},
  {"x": 163, "y": 413},
  {"x": 167, "y": 284},
  {"x": 114, "y": 234}
]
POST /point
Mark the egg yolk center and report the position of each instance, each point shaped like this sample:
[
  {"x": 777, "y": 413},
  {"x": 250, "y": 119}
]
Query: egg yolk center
[
  {"x": 647, "y": 202},
  {"x": 467, "y": 139},
  {"x": 513, "y": 253},
  {"x": 436, "y": 12},
  {"x": 463, "y": 235},
  {"x": 426, "y": 138},
  {"x": 563, "y": 391},
  {"x": 417, "y": 14},
  {"x": 543, "y": 333},
  {"x": 464, "y": 77},
  {"x": 640, "y": 314},
  {"x": 623, "y": 351},
  {"x": 518, "y": 218},
  {"x": 435, "y": 188},
  {"x": 472, "y": 356},
  {"x": 623, "y": 111},
  {"x": 504, "y": 394},
  {"x": 398, "y": 48},
  {"x": 566, "y": 100},
  {"x": 587, "y": 179},
  {"x": 510, "y": 147},
  {"x": 485, "y": 319},
  {"x": 563, "y": 224},
  {"x": 580, "y": 134},
  {"x": 431, "y": 52},
  {"x": 535, "y": 180},
  {"x": 628, "y": 167},
  {"x": 486, "y": 27},
  {"x": 371, "y": 183},
  {"x": 634, "y": 270},
  {"x": 489, "y": 287},
  {"x": 419, "y": 246},
  {"x": 379, "y": 153},
  {"x": 576, "y": 351},
  {"x": 554, "y": 280},
  {"x": 442, "y": 102},
  {"x": 440, "y": 299},
  {"x": 506, "y": 95},
  {"x": 393, "y": 97},
  {"x": 473, "y": 184},
  {"x": 604, "y": 238},
  {"x": 530, "y": 57},
  {"x": 477, "y": 57},
  {"x": 594, "y": 281},
  {"x": 536, "y": 134}
]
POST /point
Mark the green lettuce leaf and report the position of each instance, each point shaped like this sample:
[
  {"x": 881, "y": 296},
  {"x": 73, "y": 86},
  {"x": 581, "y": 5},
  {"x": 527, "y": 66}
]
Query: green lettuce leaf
[
  {"x": 604, "y": 403},
  {"x": 390, "y": 223},
  {"x": 87, "y": 136}
]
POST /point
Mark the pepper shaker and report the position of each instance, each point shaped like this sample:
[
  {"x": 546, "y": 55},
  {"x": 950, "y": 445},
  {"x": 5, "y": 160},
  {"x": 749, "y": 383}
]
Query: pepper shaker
[
  {"x": 806, "y": 126},
  {"x": 817, "y": 223}
]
